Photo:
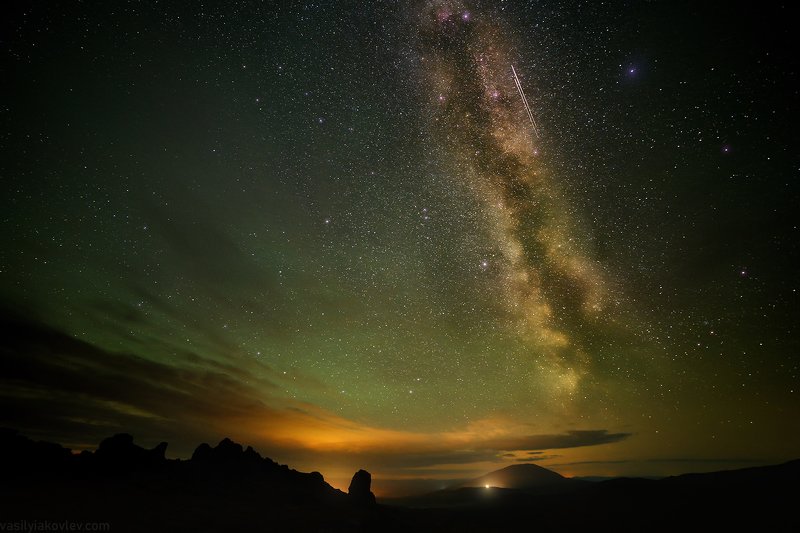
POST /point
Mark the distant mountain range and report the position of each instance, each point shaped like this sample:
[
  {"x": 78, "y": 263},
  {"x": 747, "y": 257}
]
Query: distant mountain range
[
  {"x": 231, "y": 488},
  {"x": 507, "y": 484}
]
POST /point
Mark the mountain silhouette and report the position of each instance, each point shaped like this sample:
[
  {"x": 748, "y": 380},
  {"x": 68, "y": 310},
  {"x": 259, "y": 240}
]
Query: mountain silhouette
[
  {"x": 521, "y": 476},
  {"x": 229, "y": 487},
  {"x": 515, "y": 483},
  {"x": 221, "y": 488}
]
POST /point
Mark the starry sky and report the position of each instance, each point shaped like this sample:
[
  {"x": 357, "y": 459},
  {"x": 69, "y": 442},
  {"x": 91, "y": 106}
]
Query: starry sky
[{"x": 332, "y": 230}]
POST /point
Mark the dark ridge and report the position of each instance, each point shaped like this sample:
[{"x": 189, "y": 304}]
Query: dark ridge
[
  {"x": 228, "y": 487},
  {"x": 138, "y": 489}
]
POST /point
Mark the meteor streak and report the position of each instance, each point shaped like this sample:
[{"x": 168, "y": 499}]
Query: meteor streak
[{"x": 524, "y": 101}]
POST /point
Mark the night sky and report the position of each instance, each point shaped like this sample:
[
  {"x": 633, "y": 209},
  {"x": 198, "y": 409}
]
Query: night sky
[{"x": 332, "y": 231}]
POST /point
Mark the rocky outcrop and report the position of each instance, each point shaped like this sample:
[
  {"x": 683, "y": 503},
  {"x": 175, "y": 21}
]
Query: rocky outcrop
[
  {"x": 232, "y": 455},
  {"x": 359, "y": 490},
  {"x": 121, "y": 451},
  {"x": 226, "y": 465}
]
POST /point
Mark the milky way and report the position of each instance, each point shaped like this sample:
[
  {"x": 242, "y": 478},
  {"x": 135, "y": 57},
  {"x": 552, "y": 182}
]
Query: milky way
[{"x": 549, "y": 279}]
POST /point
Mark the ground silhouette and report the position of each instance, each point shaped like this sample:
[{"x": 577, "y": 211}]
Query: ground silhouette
[{"x": 231, "y": 488}]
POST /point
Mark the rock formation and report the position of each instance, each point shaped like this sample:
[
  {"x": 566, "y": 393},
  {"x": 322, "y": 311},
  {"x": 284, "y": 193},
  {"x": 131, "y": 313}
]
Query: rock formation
[{"x": 359, "y": 488}]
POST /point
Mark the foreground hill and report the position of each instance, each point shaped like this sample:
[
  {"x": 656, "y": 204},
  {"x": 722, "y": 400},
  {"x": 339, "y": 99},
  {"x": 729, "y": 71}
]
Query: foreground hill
[
  {"x": 230, "y": 488},
  {"x": 221, "y": 488}
]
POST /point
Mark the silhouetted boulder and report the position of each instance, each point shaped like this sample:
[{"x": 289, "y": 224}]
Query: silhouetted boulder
[
  {"x": 203, "y": 454},
  {"x": 359, "y": 488},
  {"x": 119, "y": 444},
  {"x": 159, "y": 452},
  {"x": 120, "y": 451}
]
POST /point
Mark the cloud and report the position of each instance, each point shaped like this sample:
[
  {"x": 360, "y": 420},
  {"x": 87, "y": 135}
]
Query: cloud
[
  {"x": 668, "y": 460},
  {"x": 570, "y": 439},
  {"x": 57, "y": 387},
  {"x": 54, "y": 383}
]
